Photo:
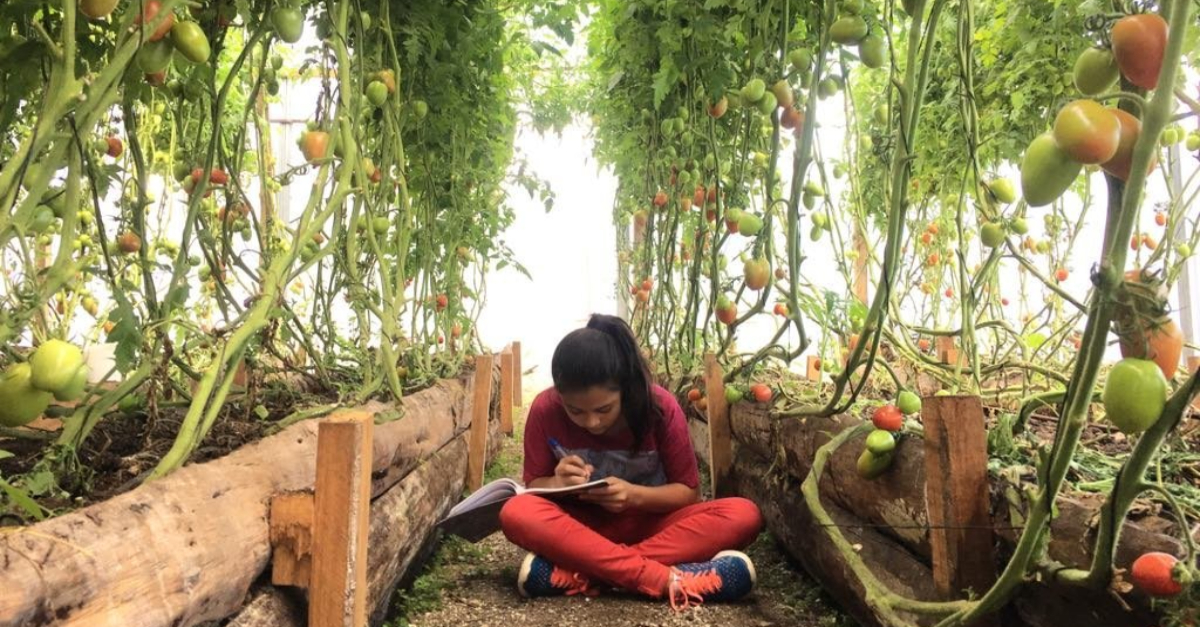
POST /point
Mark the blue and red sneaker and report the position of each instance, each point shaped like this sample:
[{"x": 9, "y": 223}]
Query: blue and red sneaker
[
  {"x": 539, "y": 578},
  {"x": 726, "y": 577}
]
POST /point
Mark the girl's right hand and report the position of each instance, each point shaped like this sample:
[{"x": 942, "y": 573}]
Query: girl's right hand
[{"x": 572, "y": 470}]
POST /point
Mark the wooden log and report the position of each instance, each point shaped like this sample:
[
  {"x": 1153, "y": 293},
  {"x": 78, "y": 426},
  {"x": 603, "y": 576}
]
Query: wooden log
[
  {"x": 720, "y": 440},
  {"x": 506, "y": 391},
  {"x": 341, "y": 501},
  {"x": 895, "y": 503},
  {"x": 956, "y": 495},
  {"x": 158, "y": 555},
  {"x": 291, "y": 539},
  {"x": 518, "y": 391},
  {"x": 401, "y": 520},
  {"x": 479, "y": 412},
  {"x": 272, "y": 607}
]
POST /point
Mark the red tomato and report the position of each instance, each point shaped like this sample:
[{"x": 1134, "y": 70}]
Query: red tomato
[
  {"x": 781, "y": 309},
  {"x": 1160, "y": 218},
  {"x": 150, "y": 11},
  {"x": 647, "y": 284},
  {"x": 1139, "y": 43},
  {"x": 1152, "y": 572},
  {"x": 888, "y": 418},
  {"x": 115, "y": 147},
  {"x": 442, "y": 301},
  {"x": 1131, "y": 129},
  {"x": 761, "y": 392},
  {"x": 1061, "y": 274},
  {"x": 660, "y": 199},
  {"x": 694, "y": 395}
]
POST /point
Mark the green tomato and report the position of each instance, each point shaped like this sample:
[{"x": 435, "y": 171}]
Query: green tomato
[
  {"x": 1192, "y": 142},
  {"x": 75, "y": 388},
  {"x": 190, "y": 41},
  {"x": 754, "y": 90},
  {"x": 54, "y": 365},
  {"x": 1019, "y": 226},
  {"x": 848, "y": 29},
  {"x": 881, "y": 442},
  {"x": 420, "y": 109},
  {"x": 377, "y": 93},
  {"x": 1134, "y": 394},
  {"x": 43, "y": 219},
  {"x": 873, "y": 51},
  {"x": 1046, "y": 171},
  {"x": 811, "y": 186},
  {"x": 1096, "y": 71},
  {"x": 827, "y": 87},
  {"x": 749, "y": 224},
  {"x": 991, "y": 234},
  {"x": 381, "y": 225},
  {"x": 908, "y": 402},
  {"x": 871, "y": 466},
  {"x": 767, "y": 104},
  {"x": 733, "y": 395},
  {"x": 288, "y": 23},
  {"x": 20, "y": 402},
  {"x": 154, "y": 57},
  {"x": 1002, "y": 189}
]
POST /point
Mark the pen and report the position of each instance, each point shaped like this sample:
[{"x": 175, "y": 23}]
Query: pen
[{"x": 559, "y": 451}]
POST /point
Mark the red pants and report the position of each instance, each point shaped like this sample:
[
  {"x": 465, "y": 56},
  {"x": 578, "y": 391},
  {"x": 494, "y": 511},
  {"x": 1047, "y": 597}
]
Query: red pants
[{"x": 632, "y": 550}]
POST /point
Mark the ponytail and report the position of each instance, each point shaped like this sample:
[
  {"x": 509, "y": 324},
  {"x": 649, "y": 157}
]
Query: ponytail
[{"x": 606, "y": 353}]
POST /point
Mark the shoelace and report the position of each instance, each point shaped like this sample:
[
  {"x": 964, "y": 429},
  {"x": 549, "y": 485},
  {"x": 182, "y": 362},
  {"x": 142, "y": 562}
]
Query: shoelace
[
  {"x": 572, "y": 583},
  {"x": 687, "y": 589}
]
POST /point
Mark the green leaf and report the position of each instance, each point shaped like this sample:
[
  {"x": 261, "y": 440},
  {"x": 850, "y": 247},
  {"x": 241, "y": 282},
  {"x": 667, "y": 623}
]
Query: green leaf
[{"x": 21, "y": 499}]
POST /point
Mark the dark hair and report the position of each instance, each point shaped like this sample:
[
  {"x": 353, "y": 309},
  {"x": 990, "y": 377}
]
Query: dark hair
[{"x": 606, "y": 353}]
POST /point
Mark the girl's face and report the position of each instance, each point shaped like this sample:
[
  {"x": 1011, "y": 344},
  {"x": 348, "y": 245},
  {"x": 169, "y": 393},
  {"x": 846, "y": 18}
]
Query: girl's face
[{"x": 596, "y": 409}]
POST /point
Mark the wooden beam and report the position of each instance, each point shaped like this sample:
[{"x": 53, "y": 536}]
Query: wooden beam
[
  {"x": 956, "y": 493},
  {"x": 342, "y": 514},
  {"x": 813, "y": 372},
  {"x": 518, "y": 392},
  {"x": 720, "y": 440},
  {"x": 480, "y": 409},
  {"x": 291, "y": 539},
  {"x": 506, "y": 391}
]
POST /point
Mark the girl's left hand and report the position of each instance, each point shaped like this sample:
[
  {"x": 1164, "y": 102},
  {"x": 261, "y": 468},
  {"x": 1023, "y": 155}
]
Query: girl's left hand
[{"x": 618, "y": 496}]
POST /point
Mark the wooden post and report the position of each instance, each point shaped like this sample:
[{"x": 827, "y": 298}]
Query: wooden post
[
  {"x": 861, "y": 268},
  {"x": 1193, "y": 364},
  {"x": 480, "y": 409},
  {"x": 291, "y": 521},
  {"x": 946, "y": 350},
  {"x": 720, "y": 441},
  {"x": 342, "y": 514},
  {"x": 518, "y": 392},
  {"x": 956, "y": 494},
  {"x": 814, "y": 368},
  {"x": 506, "y": 391}
]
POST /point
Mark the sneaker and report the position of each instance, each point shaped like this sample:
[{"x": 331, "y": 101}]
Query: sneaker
[
  {"x": 539, "y": 578},
  {"x": 726, "y": 577}
]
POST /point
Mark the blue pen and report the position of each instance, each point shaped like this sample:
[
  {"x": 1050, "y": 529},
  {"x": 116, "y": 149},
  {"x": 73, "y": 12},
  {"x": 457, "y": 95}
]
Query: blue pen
[{"x": 559, "y": 451}]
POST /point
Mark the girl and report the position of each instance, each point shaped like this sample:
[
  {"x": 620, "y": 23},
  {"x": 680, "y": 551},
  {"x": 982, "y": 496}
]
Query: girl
[{"x": 647, "y": 530}]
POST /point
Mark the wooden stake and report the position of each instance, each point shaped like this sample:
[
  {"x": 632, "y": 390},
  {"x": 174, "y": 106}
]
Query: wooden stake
[
  {"x": 956, "y": 494},
  {"x": 861, "y": 270},
  {"x": 720, "y": 441},
  {"x": 291, "y": 535},
  {"x": 814, "y": 368},
  {"x": 1193, "y": 364},
  {"x": 506, "y": 391},
  {"x": 946, "y": 350},
  {"x": 518, "y": 392},
  {"x": 342, "y": 513},
  {"x": 480, "y": 410}
]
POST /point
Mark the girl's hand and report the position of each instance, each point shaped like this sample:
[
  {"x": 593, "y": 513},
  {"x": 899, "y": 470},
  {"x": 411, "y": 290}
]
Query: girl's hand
[
  {"x": 618, "y": 496},
  {"x": 572, "y": 470}
]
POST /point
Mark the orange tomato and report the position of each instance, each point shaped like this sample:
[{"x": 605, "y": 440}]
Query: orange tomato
[
  {"x": 1161, "y": 343},
  {"x": 761, "y": 392},
  {"x": 694, "y": 395},
  {"x": 1139, "y": 43},
  {"x": 1060, "y": 275}
]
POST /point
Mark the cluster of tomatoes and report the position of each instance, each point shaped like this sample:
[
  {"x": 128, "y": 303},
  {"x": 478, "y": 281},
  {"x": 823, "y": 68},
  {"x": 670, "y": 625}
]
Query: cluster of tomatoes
[
  {"x": 759, "y": 392},
  {"x": 880, "y": 446},
  {"x": 55, "y": 371},
  {"x": 1086, "y": 132}
]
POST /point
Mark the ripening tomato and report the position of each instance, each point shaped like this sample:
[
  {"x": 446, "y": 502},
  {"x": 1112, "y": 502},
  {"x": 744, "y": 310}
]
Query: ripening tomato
[
  {"x": 726, "y": 310},
  {"x": 314, "y": 145},
  {"x": 149, "y": 13},
  {"x": 1087, "y": 131},
  {"x": 1160, "y": 218},
  {"x": 442, "y": 301},
  {"x": 643, "y": 296},
  {"x": 129, "y": 243},
  {"x": 1160, "y": 341},
  {"x": 1046, "y": 171},
  {"x": 718, "y": 108},
  {"x": 791, "y": 118},
  {"x": 781, "y": 309},
  {"x": 923, "y": 345},
  {"x": 1139, "y": 43},
  {"x": 115, "y": 147},
  {"x": 1060, "y": 275},
  {"x": 1122, "y": 161},
  {"x": 190, "y": 41},
  {"x": 660, "y": 199},
  {"x": 699, "y": 196},
  {"x": 694, "y": 395},
  {"x": 97, "y": 9},
  {"x": 757, "y": 273}
]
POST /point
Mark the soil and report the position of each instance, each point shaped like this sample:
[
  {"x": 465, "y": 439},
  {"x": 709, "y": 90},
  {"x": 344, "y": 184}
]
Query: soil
[{"x": 475, "y": 585}]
